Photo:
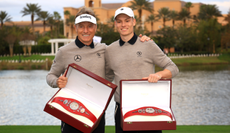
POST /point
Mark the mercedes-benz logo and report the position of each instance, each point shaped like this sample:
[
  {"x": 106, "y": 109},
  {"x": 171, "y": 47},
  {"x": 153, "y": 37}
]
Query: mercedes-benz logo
[{"x": 77, "y": 58}]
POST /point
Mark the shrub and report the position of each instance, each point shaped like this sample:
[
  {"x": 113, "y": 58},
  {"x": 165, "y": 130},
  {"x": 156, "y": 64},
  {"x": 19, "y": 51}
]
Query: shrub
[{"x": 44, "y": 40}]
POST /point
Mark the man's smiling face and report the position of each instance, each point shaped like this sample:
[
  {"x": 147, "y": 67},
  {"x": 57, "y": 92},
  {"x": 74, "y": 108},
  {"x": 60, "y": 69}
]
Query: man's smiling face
[
  {"x": 125, "y": 24},
  {"x": 85, "y": 32}
]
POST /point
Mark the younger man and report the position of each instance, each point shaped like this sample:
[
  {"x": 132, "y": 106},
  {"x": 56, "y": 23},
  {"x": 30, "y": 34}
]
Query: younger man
[{"x": 128, "y": 58}]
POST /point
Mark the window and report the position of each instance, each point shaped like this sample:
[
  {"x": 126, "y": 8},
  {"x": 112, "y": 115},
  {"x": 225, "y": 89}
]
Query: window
[{"x": 90, "y": 3}]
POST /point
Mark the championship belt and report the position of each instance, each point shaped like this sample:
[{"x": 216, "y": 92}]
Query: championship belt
[
  {"x": 148, "y": 111},
  {"x": 74, "y": 106}
]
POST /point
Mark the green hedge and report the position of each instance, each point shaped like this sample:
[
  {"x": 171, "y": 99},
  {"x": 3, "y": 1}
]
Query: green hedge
[{"x": 42, "y": 48}]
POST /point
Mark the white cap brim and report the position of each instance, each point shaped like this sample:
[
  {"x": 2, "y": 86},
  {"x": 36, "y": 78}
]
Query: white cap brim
[
  {"x": 124, "y": 10},
  {"x": 85, "y": 18}
]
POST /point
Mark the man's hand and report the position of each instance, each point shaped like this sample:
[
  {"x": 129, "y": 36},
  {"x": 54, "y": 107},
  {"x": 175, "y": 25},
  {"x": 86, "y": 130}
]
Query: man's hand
[
  {"x": 144, "y": 38},
  {"x": 153, "y": 77},
  {"x": 62, "y": 81}
]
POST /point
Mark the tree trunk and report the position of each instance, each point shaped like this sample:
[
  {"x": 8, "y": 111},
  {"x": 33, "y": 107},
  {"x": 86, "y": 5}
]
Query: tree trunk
[
  {"x": 44, "y": 27},
  {"x": 227, "y": 46},
  {"x": 152, "y": 28},
  {"x": 1, "y": 25},
  {"x": 173, "y": 22},
  {"x": 51, "y": 31},
  {"x": 72, "y": 31},
  {"x": 29, "y": 49},
  {"x": 57, "y": 32},
  {"x": 140, "y": 12},
  {"x": 213, "y": 47},
  {"x": 24, "y": 50},
  {"x": 184, "y": 22},
  {"x": 32, "y": 22},
  {"x": 11, "y": 47}
]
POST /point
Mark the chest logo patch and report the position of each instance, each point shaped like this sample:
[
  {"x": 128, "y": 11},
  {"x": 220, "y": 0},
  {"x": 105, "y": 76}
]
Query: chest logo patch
[
  {"x": 139, "y": 53},
  {"x": 99, "y": 55},
  {"x": 77, "y": 58}
]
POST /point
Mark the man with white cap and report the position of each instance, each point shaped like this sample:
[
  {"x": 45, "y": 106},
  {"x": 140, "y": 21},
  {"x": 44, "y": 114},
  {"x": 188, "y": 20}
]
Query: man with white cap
[
  {"x": 128, "y": 58},
  {"x": 84, "y": 52}
]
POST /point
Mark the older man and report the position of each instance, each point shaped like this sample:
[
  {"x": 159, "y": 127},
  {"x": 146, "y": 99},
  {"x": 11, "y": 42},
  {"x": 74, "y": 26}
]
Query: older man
[{"x": 84, "y": 52}]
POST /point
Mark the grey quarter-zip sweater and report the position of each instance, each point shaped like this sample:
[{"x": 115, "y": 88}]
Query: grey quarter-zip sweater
[
  {"x": 89, "y": 57},
  {"x": 134, "y": 60}
]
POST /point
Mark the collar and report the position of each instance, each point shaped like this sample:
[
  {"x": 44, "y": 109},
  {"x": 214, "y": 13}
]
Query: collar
[
  {"x": 131, "y": 41},
  {"x": 80, "y": 44}
]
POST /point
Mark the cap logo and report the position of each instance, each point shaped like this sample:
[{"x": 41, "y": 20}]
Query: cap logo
[
  {"x": 85, "y": 17},
  {"x": 124, "y": 10}
]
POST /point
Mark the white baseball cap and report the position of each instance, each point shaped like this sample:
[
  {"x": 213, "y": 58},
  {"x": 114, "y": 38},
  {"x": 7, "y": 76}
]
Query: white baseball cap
[
  {"x": 85, "y": 18},
  {"x": 124, "y": 10}
]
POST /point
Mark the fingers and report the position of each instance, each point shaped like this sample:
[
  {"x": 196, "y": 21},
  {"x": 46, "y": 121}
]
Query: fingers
[
  {"x": 62, "y": 81},
  {"x": 153, "y": 78},
  {"x": 145, "y": 38}
]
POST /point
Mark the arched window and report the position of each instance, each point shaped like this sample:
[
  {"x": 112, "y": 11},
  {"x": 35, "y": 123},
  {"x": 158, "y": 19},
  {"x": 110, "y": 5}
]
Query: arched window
[{"x": 90, "y": 3}]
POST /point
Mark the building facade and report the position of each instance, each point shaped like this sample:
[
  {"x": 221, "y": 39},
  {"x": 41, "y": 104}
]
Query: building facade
[
  {"x": 38, "y": 25},
  {"x": 105, "y": 11}
]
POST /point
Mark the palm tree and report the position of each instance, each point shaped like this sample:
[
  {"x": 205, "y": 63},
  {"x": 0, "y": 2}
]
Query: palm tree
[
  {"x": 111, "y": 22},
  {"x": 208, "y": 11},
  {"x": 33, "y": 10},
  {"x": 51, "y": 23},
  {"x": 188, "y": 5},
  {"x": 140, "y": 5},
  {"x": 225, "y": 41},
  {"x": 57, "y": 18},
  {"x": 174, "y": 17},
  {"x": 70, "y": 21},
  {"x": 44, "y": 16},
  {"x": 185, "y": 38},
  {"x": 164, "y": 13},
  {"x": 184, "y": 14},
  {"x": 209, "y": 34},
  {"x": 66, "y": 12},
  {"x": 13, "y": 35},
  {"x": 26, "y": 39},
  {"x": 4, "y": 17},
  {"x": 227, "y": 18},
  {"x": 152, "y": 18}
]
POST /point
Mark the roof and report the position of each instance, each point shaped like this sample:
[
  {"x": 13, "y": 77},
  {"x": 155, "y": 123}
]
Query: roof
[
  {"x": 25, "y": 23},
  {"x": 112, "y": 5},
  {"x": 118, "y": 5}
]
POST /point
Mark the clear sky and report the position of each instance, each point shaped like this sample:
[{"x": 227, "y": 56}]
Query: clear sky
[{"x": 14, "y": 7}]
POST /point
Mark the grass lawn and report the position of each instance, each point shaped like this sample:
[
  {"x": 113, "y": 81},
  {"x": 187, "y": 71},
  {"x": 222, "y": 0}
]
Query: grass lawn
[
  {"x": 191, "y": 61},
  {"x": 198, "y": 61},
  {"x": 111, "y": 129},
  {"x": 179, "y": 61},
  {"x": 32, "y": 57}
]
